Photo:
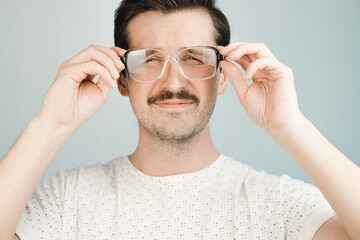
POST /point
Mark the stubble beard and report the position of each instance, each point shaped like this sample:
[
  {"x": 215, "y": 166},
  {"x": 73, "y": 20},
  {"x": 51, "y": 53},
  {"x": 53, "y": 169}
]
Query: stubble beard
[
  {"x": 177, "y": 128},
  {"x": 176, "y": 131}
]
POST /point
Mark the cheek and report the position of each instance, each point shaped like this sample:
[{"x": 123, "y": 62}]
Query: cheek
[
  {"x": 139, "y": 93},
  {"x": 210, "y": 88},
  {"x": 206, "y": 91}
]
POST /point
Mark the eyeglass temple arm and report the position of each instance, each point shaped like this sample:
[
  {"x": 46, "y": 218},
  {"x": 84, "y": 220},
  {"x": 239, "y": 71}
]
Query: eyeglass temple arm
[{"x": 124, "y": 72}]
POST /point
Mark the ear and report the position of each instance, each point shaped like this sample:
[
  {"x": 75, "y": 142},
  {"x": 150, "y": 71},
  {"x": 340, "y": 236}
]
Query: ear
[
  {"x": 122, "y": 85},
  {"x": 222, "y": 82}
]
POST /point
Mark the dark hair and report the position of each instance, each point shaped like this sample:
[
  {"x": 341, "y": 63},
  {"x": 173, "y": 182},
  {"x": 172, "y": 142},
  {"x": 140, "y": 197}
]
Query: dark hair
[{"x": 128, "y": 9}]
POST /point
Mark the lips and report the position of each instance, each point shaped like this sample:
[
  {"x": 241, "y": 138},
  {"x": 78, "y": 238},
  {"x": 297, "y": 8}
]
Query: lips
[{"x": 174, "y": 103}]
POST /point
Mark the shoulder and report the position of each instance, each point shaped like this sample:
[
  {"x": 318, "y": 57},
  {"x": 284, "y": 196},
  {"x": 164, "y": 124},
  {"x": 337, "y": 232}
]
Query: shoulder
[
  {"x": 260, "y": 181},
  {"x": 98, "y": 172},
  {"x": 290, "y": 203}
]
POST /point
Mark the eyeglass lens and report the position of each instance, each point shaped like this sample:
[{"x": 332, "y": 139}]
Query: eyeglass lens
[{"x": 196, "y": 63}]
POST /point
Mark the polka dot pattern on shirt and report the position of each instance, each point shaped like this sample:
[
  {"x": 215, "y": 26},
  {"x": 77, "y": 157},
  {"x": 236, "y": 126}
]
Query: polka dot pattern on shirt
[{"x": 227, "y": 200}]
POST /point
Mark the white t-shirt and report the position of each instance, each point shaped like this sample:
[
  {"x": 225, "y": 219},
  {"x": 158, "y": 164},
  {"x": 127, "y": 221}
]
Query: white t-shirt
[{"x": 227, "y": 200}]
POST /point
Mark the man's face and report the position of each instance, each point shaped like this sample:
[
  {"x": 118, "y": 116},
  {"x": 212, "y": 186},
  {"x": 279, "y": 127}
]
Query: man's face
[{"x": 172, "y": 107}]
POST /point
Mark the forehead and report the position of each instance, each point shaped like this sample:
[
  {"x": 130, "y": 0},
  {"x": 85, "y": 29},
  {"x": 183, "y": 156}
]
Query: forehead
[{"x": 171, "y": 31}]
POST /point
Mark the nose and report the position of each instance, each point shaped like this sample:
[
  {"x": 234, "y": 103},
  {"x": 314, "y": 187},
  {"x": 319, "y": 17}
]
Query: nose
[{"x": 172, "y": 79}]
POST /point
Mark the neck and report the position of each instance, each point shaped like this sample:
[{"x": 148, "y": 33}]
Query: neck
[{"x": 163, "y": 158}]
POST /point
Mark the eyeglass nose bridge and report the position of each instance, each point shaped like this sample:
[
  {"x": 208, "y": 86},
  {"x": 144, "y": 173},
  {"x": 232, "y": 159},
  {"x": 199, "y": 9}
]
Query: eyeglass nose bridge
[{"x": 170, "y": 57}]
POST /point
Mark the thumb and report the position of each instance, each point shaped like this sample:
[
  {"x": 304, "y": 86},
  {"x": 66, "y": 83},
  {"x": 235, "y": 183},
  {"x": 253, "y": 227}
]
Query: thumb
[
  {"x": 104, "y": 88},
  {"x": 235, "y": 76}
]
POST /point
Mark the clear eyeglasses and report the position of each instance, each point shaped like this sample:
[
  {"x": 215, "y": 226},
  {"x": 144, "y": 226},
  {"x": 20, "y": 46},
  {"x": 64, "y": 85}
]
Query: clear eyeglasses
[{"x": 195, "y": 63}]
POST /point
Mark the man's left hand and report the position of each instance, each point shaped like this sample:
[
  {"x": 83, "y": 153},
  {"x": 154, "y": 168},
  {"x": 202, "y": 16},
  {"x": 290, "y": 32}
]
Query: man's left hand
[{"x": 271, "y": 100}]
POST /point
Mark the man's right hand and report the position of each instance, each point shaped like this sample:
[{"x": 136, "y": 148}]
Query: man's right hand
[
  {"x": 73, "y": 97},
  {"x": 71, "y": 100}
]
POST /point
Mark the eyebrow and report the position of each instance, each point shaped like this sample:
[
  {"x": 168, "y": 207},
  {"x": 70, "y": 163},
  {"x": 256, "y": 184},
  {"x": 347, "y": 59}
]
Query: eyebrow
[
  {"x": 152, "y": 51},
  {"x": 192, "y": 51}
]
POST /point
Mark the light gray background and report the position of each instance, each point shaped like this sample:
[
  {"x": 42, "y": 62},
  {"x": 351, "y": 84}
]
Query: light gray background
[{"x": 319, "y": 40}]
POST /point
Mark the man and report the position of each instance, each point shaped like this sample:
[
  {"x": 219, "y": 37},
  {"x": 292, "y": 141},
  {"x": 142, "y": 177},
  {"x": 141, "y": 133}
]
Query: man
[{"x": 176, "y": 58}]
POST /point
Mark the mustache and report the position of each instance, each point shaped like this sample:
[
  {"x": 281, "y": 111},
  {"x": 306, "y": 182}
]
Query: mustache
[{"x": 167, "y": 95}]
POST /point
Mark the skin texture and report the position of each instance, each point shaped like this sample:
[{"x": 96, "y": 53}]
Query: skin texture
[
  {"x": 172, "y": 133},
  {"x": 270, "y": 102}
]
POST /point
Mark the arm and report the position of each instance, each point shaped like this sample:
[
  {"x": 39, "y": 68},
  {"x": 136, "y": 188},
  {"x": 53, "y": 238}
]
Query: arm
[
  {"x": 22, "y": 168},
  {"x": 271, "y": 102},
  {"x": 333, "y": 173},
  {"x": 71, "y": 100}
]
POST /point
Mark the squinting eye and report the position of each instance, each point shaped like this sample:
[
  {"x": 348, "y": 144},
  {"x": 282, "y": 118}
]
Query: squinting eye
[
  {"x": 154, "y": 60},
  {"x": 191, "y": 59},
  {"x": 151, "y": 60}
]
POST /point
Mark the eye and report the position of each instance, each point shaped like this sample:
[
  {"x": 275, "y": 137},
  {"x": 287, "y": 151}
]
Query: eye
[
  {"x": 191, "y": 60},
  {"x": 153, "y": 59}
]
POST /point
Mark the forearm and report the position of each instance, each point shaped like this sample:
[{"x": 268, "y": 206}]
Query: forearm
[
  {"x": 22, "y": 167},
  {"x": 337, "y": 177}
]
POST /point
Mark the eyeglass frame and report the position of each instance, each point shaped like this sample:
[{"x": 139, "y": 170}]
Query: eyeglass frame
[{"x": 219, "y": 58}]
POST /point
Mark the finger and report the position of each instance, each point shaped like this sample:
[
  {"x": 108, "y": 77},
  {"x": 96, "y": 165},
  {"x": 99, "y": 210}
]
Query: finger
[
  {"x": 103, "y": 87},
  {"x": 244, "y": 62},
  {"x": 253, "y": 50},
  {"x": 262, "y": 63},
  {"x": 115, "y": 57},
  {"x": 93, "y": 53},
  {"x": 120, "y": 51},
  {"x": 81, "y": 72},
  {"x": 258, "y": 49},
  {"x": 219, "y": 48},
  {"x": 231, "y": 46},
  {"x": 234, "y": 74}
]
